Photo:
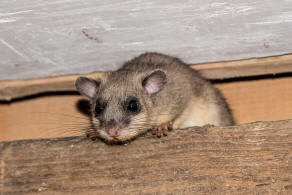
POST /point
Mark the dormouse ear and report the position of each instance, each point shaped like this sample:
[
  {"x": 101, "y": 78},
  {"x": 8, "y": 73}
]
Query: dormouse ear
[
  {"x": 154, "y": 82},
  {"x": 87, "y": 87}
]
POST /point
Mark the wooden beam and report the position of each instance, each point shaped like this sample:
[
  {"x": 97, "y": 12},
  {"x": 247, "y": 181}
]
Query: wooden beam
[
  {"x": 248, "y": 159},
  {"x": 243, "y": 68},
  {"x": 20, "y": 88},
  {"x": 220, "y": 70},
  {"x": 82, "y": 37}
]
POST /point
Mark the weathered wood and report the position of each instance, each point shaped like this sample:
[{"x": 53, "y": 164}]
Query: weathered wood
[
  {"x": 52, "y": 38},
  {"x": 248, "y": 159},
  {"x": 244, "y": 68},
  {"x": 21, "y": 88},
  {"x": 220, "y": 70},
  {"x": 54, "y": 114}
]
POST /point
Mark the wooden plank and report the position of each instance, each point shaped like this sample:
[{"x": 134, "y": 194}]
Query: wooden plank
[
  {"x": 21, "y": 88},
  {"x": 221, "y": 70},
  {"x": 243, "y": 68},
  {"x": 41, "y": 38},
  {"x": 252, "y": 158},
  {"x": 66, "y": 114}
]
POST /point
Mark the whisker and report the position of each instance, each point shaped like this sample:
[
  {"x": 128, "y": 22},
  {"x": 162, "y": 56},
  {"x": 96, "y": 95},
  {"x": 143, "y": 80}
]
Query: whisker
[
  {"x": 60, "y": 114},
  {"x": 60, "y": 133},
  {"x": 65, "y": 129}
]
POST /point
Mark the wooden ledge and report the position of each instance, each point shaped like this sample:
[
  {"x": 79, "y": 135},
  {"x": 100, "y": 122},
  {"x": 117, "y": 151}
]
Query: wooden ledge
[
  {"x": 247, "y": 159},
  {"x": 220, "y": 70}
]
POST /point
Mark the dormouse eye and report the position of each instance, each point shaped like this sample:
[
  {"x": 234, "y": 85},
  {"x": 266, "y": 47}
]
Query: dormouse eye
[
  {"x": 99, "y": 107},
  {"x": 133, "y": 105}
]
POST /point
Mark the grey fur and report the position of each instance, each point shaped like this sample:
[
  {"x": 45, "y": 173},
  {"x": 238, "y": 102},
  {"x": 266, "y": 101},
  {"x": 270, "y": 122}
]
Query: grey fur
[{"x": 176, "y": 91}]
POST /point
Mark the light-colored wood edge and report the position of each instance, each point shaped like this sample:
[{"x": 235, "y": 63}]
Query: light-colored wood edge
[
  {"x": 244, "y": 68},
  {"x": 220, "y": 70},
  {"x": 20, "y": 88}
]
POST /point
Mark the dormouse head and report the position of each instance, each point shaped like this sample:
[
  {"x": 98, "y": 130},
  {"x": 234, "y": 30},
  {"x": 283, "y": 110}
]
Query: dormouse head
[{"x": 121, "y": 103}]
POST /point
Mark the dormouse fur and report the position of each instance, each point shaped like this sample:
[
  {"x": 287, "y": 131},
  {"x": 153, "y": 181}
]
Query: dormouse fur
[{"x": 150, "y": 90}]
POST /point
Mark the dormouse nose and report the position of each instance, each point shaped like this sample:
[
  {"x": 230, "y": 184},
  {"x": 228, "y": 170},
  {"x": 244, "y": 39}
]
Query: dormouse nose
[
  {"x": 113, "y": 128},
  {"x": 111, "y": 123}
]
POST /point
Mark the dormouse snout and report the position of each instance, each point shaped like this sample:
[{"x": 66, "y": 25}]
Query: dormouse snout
[{"x": 113, "y": 128}]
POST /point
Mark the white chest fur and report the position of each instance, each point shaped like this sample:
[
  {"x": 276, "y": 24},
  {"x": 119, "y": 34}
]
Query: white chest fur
[{"x": 198, "y": 112}]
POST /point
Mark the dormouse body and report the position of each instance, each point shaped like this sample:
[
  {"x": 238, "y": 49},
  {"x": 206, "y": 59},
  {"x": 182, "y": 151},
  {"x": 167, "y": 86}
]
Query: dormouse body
[{"x": 152, "y": 91}]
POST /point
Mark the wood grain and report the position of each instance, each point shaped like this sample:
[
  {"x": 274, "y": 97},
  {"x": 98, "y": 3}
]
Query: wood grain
[
  {"x": 20, "y": 88},
  {"x": 40, "y": 38},
  {"x": 220, "y": 70},
  {"x": 249, "y": 67},
  {"x": 66, "y": 114},
  {"x": 253, "y": 158}
]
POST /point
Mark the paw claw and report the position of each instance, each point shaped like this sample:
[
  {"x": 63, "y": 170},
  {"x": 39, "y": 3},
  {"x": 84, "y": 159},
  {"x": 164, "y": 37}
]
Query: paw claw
[
  {"x": 91, "y": 135},
  {"x": 162, "y": 129}
]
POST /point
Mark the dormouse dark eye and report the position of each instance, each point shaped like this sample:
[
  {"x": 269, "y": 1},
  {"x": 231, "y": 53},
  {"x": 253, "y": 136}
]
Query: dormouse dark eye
[
  {"x": 99, "y": 107},
  {"x": 133, "y": 105}
]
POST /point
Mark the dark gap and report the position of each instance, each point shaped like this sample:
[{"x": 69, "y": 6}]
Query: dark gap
[
  {"x": 57, "y": 93},
  {"x": 82, "y": 105},
  {"x": 229, "y": 80},
  {"x": 252, "y": 78}
]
